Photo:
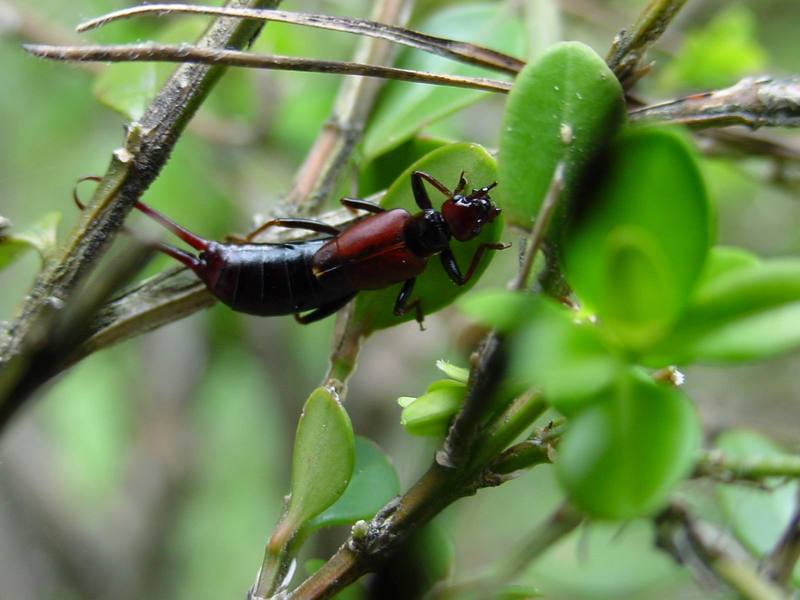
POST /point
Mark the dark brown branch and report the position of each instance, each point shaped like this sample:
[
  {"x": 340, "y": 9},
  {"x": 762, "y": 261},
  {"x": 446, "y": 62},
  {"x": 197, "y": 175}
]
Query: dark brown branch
[
  {"x": 460, "y": 51},
  {"x": 188, "y": 54},
  {"x": 754, "y": 102}
]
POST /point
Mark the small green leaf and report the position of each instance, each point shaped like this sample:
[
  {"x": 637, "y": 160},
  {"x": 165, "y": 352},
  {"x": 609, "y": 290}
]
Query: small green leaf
[
  {"x": 460, "y": 374},
  {"x": 563, "y": 107},
  {"x": 636, "y": 246},
  {"x": 724, "y": 259},
  {"x": 746, "y": 312},
  {"x": 430, "y": 414},
  {"x": 719, "y": 53},
  {"x": 41, "y": 236},
  {"x": 758, "y": 516},
  {"x": 567, "y": 359},
  {"x": 374, "y": 309},
  {"x": 323, "y": 458},
  {"x": 405, "y": 109},
  {"x": 373, "y": 484},
  {"x": 621, "y": 456},
  {"x": 499, "y": 309},
  {"x": 382, "y": 171}
]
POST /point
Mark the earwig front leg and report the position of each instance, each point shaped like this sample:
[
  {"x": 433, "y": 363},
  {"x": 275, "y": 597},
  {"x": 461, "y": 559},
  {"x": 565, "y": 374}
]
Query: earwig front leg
[
  {"x": 290, "y": 223},
  {"x": 323, "y": 311},
  {"x": 420, "y": 193},
  {"x": 401, "y": 308},
  {"x": 361, "y": 204},
  {"x": 451, "y": 266}
]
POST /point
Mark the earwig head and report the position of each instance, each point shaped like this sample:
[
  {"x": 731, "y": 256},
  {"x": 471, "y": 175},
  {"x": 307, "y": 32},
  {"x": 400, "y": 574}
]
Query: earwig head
[{"x": 466, "y": 215}]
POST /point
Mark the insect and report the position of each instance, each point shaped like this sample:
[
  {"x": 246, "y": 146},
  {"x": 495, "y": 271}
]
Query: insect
[{"x": 313, "y": 279}]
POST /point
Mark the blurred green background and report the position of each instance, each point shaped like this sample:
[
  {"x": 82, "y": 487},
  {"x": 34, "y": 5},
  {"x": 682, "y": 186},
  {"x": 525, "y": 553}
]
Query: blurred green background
[{"x": 158, "y": 468}]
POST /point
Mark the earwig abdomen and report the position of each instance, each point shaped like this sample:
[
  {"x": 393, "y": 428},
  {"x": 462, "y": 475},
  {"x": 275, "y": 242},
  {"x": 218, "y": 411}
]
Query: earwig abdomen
[{"x": 266, "y": 279}]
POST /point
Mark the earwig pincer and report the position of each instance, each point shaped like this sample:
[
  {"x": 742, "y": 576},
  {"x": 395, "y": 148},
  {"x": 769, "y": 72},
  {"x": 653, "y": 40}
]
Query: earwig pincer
[{"x": 322, "y": 275}]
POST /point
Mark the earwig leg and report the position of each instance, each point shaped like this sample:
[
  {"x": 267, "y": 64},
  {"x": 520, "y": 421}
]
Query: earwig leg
[
  {"x": 75, "y": 198},
  {"x": 187, "y": 236},
  {"x": 420, "y": 195},
  {"x": 323, "y": 311},
  {"x": 185, "y": 258},
  {"x": 400, "y": 306},
  {"x": 361, "y": 204},
  {"x": 462, "y": 183},
  {"x": 309, "y": 224},
  {"x": 451, "y": 266}
]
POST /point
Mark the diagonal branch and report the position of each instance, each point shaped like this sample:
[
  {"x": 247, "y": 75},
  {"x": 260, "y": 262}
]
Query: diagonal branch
[
  {"x": 460, "y": 51},
  {"x": 187, "y": 54},
  {"x": 629, "y": 47},
  {"x": 754, "y": 102}
]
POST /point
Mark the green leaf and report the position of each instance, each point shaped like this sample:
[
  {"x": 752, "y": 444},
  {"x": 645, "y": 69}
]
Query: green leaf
[
  {"x": 563, "y": 107},
  {"x": 381, "y": 172},
  {"x": 621, "y": 456},
  {"x": 567, "y": 359},
  {"x": 721, "y": 52},
  {"x": 323, "y": 458},
  {"x": 128, "y": 88},
  {"x": 430, "y": 414},
  {"x": 460, "y": 374},
  {"x": 758, "y": 516},
  {"x": 747, "y": 312},
  {"x": 41, "y": 236},
  {"x": 636, "y": 247},
  {"x": 374, "y": 309},
  {"x": 373, "y": 484},
  {"x": 405, "y": 109},
  {"x": 503, "y": 310}
]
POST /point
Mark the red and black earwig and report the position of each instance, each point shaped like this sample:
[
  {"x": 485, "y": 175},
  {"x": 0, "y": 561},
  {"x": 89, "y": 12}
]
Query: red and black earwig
[{"x": 321, "y": 276}]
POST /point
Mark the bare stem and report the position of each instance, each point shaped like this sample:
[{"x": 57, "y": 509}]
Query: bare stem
[
  {"x": 780, "y": 563},
  {"x": 540, "y": 226},
  {"x": 754, "y": 102},
  {"x": 379, "y": 28},
  {"x": 716, "y": 464},
  {"x": 629, "y": 47},
  {"x": 188, "y": 54}
]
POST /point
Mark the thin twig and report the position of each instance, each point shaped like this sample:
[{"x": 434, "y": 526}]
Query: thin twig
[
  {"x": 234, "y": 58},
  {"x": 779, "y": 564},
  {"x": 715, "y": 464},
  {"x": 629, "y": 48},
  {"x": 754, "y": 102},
  {"x": 460, "y": 51},
  {"x": 540, "y": 226},
  {"x": 699, "y": 544}
]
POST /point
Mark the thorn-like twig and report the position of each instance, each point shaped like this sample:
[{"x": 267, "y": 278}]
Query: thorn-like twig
[
  {"x": 187, "y": 53},
  {"x": 460, "y": 51}
]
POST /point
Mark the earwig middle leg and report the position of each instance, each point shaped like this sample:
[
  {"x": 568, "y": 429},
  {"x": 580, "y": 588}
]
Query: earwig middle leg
[
  {"x": 323, "y": 311},
  {"x": 361, "y": 204},
  {"x": 401, "y": 308},
  {"x": 292, "y": 223},
  {"x": 451, "y": 266}
]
